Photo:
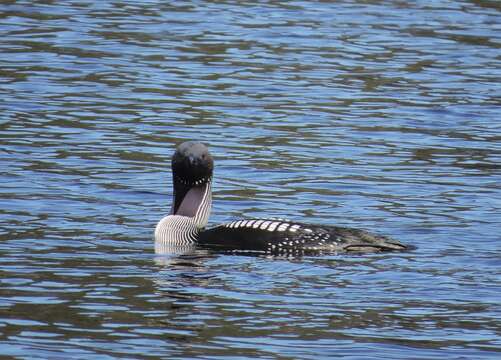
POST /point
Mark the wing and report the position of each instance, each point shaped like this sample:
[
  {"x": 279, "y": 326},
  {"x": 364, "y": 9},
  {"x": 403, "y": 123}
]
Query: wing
[{"x": 285, "y": 238}]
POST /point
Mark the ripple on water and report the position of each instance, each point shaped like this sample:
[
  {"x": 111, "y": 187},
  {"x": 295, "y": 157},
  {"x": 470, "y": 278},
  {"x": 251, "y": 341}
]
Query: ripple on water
[{"x": 373, "y": 115}]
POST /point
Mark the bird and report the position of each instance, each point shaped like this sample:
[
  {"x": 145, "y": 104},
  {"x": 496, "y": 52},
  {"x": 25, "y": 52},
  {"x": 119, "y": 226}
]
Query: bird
[{"x": 185, "y": 226}]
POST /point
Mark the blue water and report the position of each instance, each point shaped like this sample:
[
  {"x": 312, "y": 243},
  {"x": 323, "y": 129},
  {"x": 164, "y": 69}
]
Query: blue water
[{"x": 380, "y": 115}]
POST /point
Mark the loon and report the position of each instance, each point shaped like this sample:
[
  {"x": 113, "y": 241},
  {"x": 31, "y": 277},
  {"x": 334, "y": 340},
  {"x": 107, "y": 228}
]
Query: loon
[{"x": 184, "y": 227}]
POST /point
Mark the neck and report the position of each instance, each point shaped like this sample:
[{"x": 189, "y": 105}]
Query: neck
[
  {"x": 182, "y": 227},
  {"x": 202, "y": 213},
  {"x": 176, "y": 230}
]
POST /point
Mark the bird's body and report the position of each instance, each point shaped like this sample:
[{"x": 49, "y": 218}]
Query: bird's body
[
  {"x": 284, "y": 237},
  {"x": 192, "y": 168}
]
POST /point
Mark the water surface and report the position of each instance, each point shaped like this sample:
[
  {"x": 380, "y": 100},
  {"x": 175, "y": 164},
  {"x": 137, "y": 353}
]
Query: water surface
[{"x": 381, "y": 115}]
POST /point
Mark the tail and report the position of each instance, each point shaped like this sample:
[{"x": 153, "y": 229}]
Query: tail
[
  {"x": 363, "y": 242},
  {"x": 382, "y": 247}
]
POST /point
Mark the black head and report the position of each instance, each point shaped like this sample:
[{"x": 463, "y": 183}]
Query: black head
[
  {"x": 192, "y": 167},
  {"x": 192, "y": 164}
]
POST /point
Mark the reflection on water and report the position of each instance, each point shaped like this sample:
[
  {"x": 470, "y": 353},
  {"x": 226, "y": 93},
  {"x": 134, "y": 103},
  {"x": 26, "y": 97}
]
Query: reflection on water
[{"x": 377, "y": 115}]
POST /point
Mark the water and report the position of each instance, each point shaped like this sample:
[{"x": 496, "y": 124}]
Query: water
[{"x": 381, "y": 115}]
